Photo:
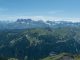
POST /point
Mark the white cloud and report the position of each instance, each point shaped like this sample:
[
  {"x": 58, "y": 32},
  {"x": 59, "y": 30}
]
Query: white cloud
[{"x": 44, "y": 18}]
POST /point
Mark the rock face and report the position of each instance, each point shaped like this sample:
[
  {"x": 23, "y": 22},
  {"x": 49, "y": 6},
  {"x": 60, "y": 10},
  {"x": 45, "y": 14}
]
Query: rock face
[
  {"x": 24, "y": 20},
  {"x": 66, "y": 58}
]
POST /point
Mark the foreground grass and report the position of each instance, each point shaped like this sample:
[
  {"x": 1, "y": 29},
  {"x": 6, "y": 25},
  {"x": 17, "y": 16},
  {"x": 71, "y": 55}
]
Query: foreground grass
[{"x": 62, "y": 55}]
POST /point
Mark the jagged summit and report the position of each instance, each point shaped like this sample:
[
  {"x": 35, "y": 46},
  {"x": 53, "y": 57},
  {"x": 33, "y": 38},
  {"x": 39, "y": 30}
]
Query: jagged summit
[{"x": 24, "y": 20}]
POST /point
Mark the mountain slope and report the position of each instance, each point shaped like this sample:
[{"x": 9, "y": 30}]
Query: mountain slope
[{"x": 38, "y": 43}]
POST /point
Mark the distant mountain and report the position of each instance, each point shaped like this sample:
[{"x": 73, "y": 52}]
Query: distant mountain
[{"x": 29, "y": 23}]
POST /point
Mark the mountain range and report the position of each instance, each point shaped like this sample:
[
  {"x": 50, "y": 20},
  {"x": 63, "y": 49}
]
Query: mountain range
[
  {"x": 26, "y": 39},
  {"x": 29, "y": 23}
]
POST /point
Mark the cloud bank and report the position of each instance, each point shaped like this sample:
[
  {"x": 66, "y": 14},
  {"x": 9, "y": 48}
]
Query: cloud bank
[{"x": 44, "y": 18}]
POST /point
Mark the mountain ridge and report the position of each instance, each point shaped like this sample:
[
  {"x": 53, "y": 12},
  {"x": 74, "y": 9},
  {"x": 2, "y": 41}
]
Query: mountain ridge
[{"x": 29, "y": 23}]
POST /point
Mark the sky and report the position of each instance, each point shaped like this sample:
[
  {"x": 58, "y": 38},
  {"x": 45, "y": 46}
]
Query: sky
[{"x": 55, "y": 10}]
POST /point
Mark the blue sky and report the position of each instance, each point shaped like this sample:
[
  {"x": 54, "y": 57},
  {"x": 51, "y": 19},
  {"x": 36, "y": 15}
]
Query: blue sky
[{"x": 40, "y": 9}]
